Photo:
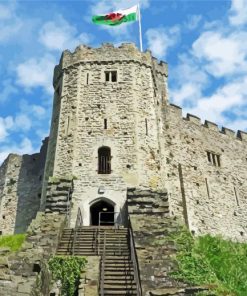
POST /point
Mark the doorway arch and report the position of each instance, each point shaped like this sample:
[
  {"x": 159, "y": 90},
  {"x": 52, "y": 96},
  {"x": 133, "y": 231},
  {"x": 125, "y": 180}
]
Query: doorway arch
[{"x": 102, "y": 213}]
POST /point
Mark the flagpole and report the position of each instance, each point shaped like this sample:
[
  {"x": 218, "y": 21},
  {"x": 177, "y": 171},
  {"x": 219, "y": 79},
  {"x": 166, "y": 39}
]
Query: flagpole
[{"x": 140, "y": 26}]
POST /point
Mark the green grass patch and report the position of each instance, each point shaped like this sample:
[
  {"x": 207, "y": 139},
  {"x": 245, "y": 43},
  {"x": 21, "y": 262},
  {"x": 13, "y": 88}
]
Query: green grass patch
[
  {"x": 13, "y": 242},
  {"x": 213, "y": 261}
]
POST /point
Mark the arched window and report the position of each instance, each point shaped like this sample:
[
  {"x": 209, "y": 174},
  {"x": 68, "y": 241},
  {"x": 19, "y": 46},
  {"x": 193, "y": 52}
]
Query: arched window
[{"x": 104, "y": 160}]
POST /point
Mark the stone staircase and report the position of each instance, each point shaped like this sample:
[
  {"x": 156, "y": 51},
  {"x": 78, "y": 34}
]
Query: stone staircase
[{"x": 116, "y": 266}]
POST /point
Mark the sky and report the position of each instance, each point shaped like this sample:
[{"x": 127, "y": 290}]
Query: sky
[{"x": 204, "y": 43}]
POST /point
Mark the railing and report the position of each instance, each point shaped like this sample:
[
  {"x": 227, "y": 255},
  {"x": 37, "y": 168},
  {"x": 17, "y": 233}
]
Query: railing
[
  {"x": 78, "y": 223},
  {"x": 102, "y": 272},
  {"x": 134, "y": 260},
  {"x": 116, "y": 223}
]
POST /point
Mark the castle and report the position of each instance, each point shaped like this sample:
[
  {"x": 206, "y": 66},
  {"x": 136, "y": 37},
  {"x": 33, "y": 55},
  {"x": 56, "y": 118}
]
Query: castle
[{"x": 112, "y": 129}]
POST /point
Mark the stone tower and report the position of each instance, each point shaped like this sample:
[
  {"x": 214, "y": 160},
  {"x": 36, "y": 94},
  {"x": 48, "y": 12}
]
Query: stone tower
[{"x": 106, "y": 126}]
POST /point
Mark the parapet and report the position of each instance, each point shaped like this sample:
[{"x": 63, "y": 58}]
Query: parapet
[
  {"x": 178, "y": 113},
  {"x": 126, "y": 52}
]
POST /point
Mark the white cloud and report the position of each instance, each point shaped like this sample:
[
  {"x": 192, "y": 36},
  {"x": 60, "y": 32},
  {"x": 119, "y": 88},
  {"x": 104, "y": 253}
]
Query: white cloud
[
  {"x": 38, "y": 111},
  {"x": 193, "y": 21},
  {"x": 161, "y": 39},
  {"x": 23, "y": 122},
  {"x": 60, "y": 35},
  {"x": 36, "y": 73},
  {"x": 238, "y": 12},
  {"x": 7, "y": 10},
  {"x": 25, "y": 147},
  {"x": 10, "y": 23},
  {"x": 226, "y": 98},
  {"x": 5, "y": 124},
  {"x": 7, "y": 89},
  {"x": 222, "y": 54}
]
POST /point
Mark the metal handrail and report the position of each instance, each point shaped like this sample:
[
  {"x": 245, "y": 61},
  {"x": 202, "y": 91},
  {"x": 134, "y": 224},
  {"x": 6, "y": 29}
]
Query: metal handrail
[
  {"x": 134, "y": 260},
  {"x": 115, "y": 219},
  {"x": 102, "y": 273},
  {"x": 78, "y": 223}
]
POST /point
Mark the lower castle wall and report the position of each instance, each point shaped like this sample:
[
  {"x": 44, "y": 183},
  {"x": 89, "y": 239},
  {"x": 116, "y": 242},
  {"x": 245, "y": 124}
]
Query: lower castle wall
[
  {"x": 20, "y": 190},
  {"x": 211, "y": 199}
]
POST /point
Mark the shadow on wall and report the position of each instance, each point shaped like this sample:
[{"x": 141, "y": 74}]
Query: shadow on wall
[{"x": 29, "y": 186}]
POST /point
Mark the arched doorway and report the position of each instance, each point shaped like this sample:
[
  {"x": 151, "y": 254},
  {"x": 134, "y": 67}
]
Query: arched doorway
[{"x": 103, "y": 212}]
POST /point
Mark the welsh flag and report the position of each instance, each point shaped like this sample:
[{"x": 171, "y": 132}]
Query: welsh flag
[{"x": 117, "y": 17}]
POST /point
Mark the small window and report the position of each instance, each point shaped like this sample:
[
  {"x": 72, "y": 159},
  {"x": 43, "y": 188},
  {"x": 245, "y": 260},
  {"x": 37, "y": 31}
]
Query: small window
[
  {"x": 87, "y": 78},
  {"x": 107, "y": 76},
  {"x": 214, "y": 159},
  {"x": 105, "y": 123},
  {"x": 111, "y": 76}
]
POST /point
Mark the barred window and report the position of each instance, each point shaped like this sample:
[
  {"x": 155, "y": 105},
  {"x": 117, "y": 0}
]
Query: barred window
[
  {"x": 214, "y": 159},
  {"x": 104, "y": 160},
  {"x": 111, "y": 76}
]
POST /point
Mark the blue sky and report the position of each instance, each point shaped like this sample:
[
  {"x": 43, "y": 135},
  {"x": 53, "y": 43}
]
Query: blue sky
[{"x": 204, "y": 43}]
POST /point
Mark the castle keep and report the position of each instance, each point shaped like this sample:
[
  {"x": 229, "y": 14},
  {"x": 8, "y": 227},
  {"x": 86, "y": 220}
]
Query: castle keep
[
  {"x": 119, "y": 151},
  {"x": 121, "y": 170}
]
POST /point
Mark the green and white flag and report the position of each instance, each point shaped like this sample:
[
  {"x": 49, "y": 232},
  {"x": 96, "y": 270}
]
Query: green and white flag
[{"x": 117, "y": 17}]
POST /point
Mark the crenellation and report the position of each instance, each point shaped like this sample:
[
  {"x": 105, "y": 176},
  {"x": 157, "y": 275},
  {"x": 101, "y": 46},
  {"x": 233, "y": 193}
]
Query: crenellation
[
  {"x": 242, "y": 135},
  {"x": 228, "y": 132},
  {"x": 194, "y": 119},
  {"x": 211, "y": 125}
]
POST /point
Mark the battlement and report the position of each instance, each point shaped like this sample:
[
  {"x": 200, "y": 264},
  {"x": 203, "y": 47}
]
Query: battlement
[
  {"x": 239, "y": 135},
  {"x": 107, "y": 53}
]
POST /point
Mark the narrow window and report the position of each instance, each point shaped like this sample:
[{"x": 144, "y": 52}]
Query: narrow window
[
  {"x": 214, "y": 160},
  {"x": 107, "y": 76},
  {"x": 236, "y": 196},
  {"x": 218, "y": 160},
  {"x": 206, "y": 181},
  {"x": 208, "y": 155},
  {"x": 87, "y": 78},
  {"x": 146, "y": 125},
  {"x": 104, "y": 160},
  {"x": 114, "y": 76},
  {"x": 105, "y": 123}
]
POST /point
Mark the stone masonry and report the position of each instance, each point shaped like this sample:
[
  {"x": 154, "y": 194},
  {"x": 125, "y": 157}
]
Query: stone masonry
[
  {"x": 152, "y": 147},
  {"x": 21, "y": 180}
]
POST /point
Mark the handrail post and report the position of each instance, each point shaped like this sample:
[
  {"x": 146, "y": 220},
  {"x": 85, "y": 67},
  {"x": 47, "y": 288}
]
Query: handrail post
[
  {"x": 134, "y": 260},
  {"x": 102, "y": 277},
  {"x": 78, "y": 223}
]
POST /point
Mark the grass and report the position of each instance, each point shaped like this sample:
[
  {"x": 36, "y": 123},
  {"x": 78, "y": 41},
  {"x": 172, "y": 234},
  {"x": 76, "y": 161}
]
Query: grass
[
  {"x": 213, "y": 261},
  {"x": 13, "y": 242}
]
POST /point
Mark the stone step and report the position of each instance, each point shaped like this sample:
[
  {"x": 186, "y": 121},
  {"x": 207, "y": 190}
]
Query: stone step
[
  {"x": 117, "y": 281},
  {"x": 119, "y": 287},
  {"x": 114, "y": 293},
  {"x": 119, "y": 277}
]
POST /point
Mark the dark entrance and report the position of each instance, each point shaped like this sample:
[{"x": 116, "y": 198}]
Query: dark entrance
[{"x": 106, "y": 216}]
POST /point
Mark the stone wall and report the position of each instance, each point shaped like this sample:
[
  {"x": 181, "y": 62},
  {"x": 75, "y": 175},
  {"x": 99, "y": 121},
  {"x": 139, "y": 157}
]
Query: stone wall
[
  {"x": 21, "y": 180},
  {"x": 25, "y": 273},
  {"x": 152, "y": 227},
  {"x": 211, "y": 197},
  {"x": 131, "y": 107}
]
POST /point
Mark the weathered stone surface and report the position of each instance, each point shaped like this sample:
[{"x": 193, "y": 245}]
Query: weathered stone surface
[
  {"x": 20, "y": 190},
  {"x": 26, "y": 273}
]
